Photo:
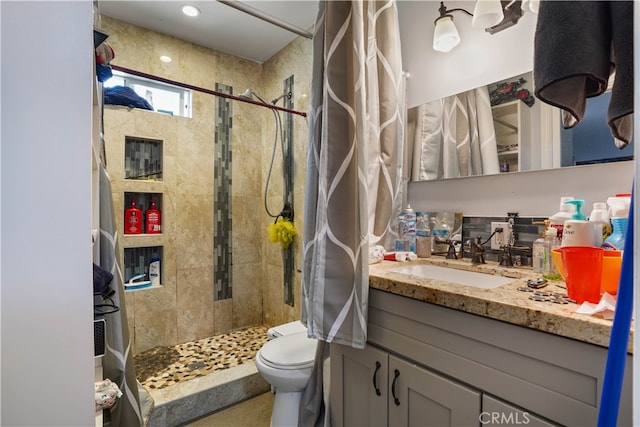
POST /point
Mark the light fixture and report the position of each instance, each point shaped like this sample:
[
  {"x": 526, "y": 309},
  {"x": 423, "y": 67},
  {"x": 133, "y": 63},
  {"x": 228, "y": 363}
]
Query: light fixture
[
  {"x": 189, "y": 10},
  {"x": 492, "y": 15},
  {"x": 165, "y": 58},
  {"x": 487, "y": 13}
]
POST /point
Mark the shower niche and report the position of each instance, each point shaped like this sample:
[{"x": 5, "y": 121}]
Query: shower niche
[
  {"x": 142, "y": 159},
  {"x": 137, "y": 262}
]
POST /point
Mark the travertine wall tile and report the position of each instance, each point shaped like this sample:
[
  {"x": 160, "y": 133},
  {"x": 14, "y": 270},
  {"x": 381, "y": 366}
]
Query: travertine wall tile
[{"x": 184, "y": 308}]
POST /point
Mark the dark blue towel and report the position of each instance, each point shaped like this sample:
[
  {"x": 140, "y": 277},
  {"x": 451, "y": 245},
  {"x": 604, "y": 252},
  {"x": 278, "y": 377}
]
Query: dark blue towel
[
  {"x": 121, "y": 95},
  {"x": 578, "y": 44}
]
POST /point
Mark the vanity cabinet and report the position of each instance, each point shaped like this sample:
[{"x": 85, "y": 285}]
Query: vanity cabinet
[
  {"x": 372, "y": 387},
  {"x": 452, "y": 361}
]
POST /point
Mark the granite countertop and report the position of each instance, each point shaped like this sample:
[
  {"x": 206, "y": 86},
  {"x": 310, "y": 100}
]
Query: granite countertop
[{"x": 505, "y": 303}]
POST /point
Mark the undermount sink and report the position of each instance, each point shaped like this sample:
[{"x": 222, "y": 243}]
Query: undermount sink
[{"x": 452, "y": 275}]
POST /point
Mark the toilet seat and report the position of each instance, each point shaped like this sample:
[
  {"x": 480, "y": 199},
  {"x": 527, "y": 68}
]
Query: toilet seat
[{"x": 295, "y": 351}]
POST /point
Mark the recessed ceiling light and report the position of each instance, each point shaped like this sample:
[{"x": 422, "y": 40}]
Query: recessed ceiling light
[
  {"x": 165, "y": 58},
  {"x": 189, "y": 10}
]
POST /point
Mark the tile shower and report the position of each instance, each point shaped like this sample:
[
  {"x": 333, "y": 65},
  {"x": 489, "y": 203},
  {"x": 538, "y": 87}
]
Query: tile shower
[{"x": 197, "y": 300}]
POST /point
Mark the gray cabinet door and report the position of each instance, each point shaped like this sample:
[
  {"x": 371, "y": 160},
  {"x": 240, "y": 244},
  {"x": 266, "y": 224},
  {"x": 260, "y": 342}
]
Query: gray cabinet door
[
  {"x": 359, "y": 387},
  {"x": 422, "y": 398}
]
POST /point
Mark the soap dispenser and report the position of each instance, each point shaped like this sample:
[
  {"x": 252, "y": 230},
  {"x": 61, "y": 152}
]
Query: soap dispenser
[{"x": 578, "y": 231}]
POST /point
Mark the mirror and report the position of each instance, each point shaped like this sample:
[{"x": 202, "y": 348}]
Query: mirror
[
  {"x": 483, "y": 59},
  {"x": 502, "y": 128}
]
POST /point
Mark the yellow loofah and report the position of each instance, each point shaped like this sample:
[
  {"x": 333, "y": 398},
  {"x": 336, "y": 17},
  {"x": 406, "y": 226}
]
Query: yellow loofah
[{"x": 282, "y": 231}]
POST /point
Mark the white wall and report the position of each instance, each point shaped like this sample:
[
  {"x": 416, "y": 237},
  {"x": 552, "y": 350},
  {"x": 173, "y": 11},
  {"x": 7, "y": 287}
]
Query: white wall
[
  {"x": 534, "y": 193},
  {"x": 45, "y": 218},
  {"x": 479, "y": 59}
]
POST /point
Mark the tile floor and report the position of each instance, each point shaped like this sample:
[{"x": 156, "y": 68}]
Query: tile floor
[{"x": 165, "y": 366}]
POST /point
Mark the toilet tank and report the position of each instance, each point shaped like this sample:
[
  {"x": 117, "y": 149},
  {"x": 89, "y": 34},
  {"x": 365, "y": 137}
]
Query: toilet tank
[{"x": 286, "y": 329}]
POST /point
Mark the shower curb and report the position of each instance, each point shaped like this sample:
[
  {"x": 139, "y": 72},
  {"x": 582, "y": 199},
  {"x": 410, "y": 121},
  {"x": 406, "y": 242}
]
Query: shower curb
[{"x": 186, "y": 402}]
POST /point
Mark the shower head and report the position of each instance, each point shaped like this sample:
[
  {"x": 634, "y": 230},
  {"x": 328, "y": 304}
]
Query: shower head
[
  {"x": 250, "y": 94},
  {"x": 284, "y": 95}
]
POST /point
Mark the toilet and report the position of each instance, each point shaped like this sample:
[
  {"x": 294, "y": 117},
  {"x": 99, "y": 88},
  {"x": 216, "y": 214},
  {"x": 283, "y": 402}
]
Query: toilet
[{"x": 285, "y": 362}]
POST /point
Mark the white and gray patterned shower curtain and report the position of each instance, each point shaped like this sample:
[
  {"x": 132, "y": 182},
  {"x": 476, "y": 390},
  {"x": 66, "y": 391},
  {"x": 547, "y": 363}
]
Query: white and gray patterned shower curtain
[
  {"x": 118, "y": 364},
  {"x": 354, "y": 163},
  {"x": 354, "y": 173},
  {"x": 455, "y": 137}
]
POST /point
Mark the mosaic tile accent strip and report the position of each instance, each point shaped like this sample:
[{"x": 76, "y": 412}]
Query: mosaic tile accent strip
[
  {"x": 288, "y": 172},
  {"x": 526, "y": 230},
  {"x": 161, "y": 367},
  {"x": 222, "y": 223}
]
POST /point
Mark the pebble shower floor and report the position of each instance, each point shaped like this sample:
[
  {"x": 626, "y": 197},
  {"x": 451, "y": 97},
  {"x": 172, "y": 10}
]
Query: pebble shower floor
[{"x": 161, "y": 367}]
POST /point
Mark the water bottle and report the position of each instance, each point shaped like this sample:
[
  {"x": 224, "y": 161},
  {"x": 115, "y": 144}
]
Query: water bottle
[
  {"x": 538, "y": 251},
  {"x": 410, "y": 219},
  {"x": 402, "y": 239},
  {"x": 441, "y": 234},
  {"x": 423, "y": 236}
]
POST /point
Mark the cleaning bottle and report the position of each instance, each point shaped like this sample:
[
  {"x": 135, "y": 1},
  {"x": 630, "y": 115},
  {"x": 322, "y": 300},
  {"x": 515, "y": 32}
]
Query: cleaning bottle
[
  {"x": 599, "y": 217},
  {"x": 410, "y": 219},
  {"x": 558, "y": 219},
  {"x": 133, "y": 219},
  {"x": 153, "y": 219},
  {"x": 619, "y": 212},
  {"x": 423, "y": 236}
]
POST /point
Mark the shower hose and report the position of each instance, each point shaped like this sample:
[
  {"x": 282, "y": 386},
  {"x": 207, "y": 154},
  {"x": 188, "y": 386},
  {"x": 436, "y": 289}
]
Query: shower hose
[{"x": 616, "y": 356}]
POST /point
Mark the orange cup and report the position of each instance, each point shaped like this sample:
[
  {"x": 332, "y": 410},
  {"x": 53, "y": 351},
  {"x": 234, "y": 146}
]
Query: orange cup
[
  {"x": 582, "y": 272},
  {"x": 611, "y": 266}
]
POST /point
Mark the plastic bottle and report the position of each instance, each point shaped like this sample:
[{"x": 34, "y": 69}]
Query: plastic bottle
[
  {"x": 154, "y": 271},
  {"x": 441, "y": 233},
  {"x": 577, "y": 230},
  {"x": 153, "y": 219},
  {"x": 619, "y": 211},
  {"x": 551, "y": 242},
  {"x": 410, "y": 219},
  {"x": 538, "y": 252},
  {"x": 423, "y": 237},
  {"x": 558, "y": 219},
  {"x": 133, "y": 219},
  {"x": 599, "y": 217},
  {"x": 402, "y": 239}
]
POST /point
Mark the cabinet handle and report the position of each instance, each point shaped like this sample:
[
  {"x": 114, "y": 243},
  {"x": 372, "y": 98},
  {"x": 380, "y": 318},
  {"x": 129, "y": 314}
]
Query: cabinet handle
[
  {"x": 375, "y": 374},
  {"x": 396, "y": 375}
]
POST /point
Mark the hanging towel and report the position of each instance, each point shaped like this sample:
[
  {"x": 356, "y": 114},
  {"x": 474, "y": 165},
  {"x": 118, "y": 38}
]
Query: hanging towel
[{"x": 578, "y": 45}]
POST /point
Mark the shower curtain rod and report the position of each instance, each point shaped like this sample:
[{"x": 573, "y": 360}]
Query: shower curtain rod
[
  {"x": 203, "y": 90},
  {"x": 266, "y": 17}
]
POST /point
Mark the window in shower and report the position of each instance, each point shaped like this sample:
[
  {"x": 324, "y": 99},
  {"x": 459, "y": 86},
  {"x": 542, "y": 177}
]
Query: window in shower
[
  {"x": 142, "y": 159},
  {"x": 164, "y": 97},
  {"x": 222, "y": 196}
]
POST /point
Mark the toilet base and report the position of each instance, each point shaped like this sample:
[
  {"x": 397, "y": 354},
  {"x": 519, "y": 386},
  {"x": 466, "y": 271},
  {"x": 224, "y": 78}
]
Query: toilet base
[{"x": 286, "y": 407}]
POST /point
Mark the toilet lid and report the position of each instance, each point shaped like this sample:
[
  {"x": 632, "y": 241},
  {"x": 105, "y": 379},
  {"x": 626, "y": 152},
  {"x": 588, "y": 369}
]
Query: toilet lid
[{"x": 289, "y": 351}]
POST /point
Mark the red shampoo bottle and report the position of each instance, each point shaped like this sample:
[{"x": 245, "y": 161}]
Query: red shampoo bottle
[
  {"x": 132, "y": 219},
  {"x": 153, "y": 219}
]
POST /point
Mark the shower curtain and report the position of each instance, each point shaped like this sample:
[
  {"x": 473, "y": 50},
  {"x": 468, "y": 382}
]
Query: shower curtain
[
  {"x": 455, "y": 137},
  {"x": 354, "y": 173},
  {"x": 117, "y": 362}
]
